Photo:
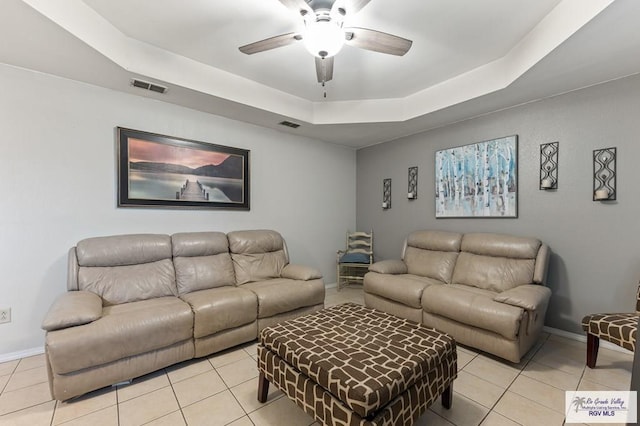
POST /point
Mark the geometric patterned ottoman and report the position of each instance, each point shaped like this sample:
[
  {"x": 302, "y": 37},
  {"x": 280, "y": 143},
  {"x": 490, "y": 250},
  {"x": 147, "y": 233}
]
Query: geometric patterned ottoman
[{"x": 352, "y": 365}]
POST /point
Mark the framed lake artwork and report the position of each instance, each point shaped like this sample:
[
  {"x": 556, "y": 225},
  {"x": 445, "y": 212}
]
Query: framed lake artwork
[
  {"x": 478, "y": 180},
  {"x": 169, "y": 172}
]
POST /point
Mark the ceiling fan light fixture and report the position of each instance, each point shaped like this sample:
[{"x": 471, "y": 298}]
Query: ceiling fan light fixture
[{"x": 323, "y": 38}]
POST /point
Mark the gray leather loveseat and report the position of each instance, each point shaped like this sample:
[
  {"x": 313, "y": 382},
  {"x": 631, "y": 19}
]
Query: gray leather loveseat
[
  {"x": 485, "y": 290},
  {"x": 139, "y": 303}
]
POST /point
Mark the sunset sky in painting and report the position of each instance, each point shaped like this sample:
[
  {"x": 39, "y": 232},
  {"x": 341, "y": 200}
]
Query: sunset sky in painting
[{"x": 141, "y": 150}]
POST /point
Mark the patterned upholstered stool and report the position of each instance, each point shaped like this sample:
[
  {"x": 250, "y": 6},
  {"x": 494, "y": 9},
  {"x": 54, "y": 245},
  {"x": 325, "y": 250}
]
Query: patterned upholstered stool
[
  {"x": 352, "y": 365},
  {"x": 620, "y": 329}
]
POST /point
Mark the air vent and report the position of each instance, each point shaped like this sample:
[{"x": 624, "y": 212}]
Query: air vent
[
  {"x": 148, "y": 86},
  {"x": 289, "y": 124}
]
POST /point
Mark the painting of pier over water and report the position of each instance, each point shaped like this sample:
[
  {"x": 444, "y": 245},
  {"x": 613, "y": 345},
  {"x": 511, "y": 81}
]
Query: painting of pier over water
[
  {"x": 163, "y": 171},
  {"x": 478, "y": 180}
]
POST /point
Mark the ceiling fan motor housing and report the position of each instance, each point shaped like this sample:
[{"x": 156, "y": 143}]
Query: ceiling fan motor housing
[{"x": 321, "y": 5}]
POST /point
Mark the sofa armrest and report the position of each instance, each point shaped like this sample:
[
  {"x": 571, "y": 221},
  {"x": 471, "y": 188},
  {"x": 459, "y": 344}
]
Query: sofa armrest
[
  {"x": 528, "y": 296},
  {"x": 390, "y": 266},
  {"x": 71, "y": 309},
  {"x": 300, "y": 272}
]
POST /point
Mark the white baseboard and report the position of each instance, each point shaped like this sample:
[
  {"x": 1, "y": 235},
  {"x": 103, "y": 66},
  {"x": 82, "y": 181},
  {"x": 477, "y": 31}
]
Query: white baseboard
[
  {"x": 12, "y": 356},
  {"x": 331, "y": 285},
  {"x": 583, "y": 338}
]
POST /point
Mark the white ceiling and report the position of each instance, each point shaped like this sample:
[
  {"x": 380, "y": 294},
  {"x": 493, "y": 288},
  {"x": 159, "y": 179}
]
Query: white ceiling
[{"x": 468, "y": 57}]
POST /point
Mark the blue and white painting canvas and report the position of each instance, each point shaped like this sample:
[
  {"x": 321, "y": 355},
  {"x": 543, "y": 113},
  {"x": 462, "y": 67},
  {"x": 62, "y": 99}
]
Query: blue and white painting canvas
[{"x": 478, "y": 180}]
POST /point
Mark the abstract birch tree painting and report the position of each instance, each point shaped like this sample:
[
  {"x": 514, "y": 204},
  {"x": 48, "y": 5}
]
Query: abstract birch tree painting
[{"x": 478, "y": 180}]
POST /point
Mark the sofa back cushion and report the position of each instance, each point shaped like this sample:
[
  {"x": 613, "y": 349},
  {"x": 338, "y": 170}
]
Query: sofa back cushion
[
  {"x": 257, "y": 255},
  {"x": 202, "y": 261},
  {"x": 496, "y": 262},
  {"x": 432, "y": 254},
  {"x": 126, "y": 268}
]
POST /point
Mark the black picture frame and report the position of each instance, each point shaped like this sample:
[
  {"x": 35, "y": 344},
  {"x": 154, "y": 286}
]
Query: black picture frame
[{"x": 169, "y": 172}]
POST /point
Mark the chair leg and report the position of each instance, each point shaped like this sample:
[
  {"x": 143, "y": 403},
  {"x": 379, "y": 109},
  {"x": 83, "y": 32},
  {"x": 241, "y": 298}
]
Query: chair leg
[
  {"x": 447, "y": 397},
  {"x": 593, "y": 343},
  {"x": 263, "y": 387}
]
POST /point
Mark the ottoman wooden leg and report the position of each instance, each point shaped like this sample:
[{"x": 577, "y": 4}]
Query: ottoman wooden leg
[
  {"x": 263, "y": 388},
  {"x": 447, "y": 397},
  {"x": 593, "y": 343}
]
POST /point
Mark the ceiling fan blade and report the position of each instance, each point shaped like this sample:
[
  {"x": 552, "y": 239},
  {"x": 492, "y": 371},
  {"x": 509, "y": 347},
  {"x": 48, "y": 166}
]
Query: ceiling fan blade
[
  {"x": 299, "y": 7},
  {"x": 349, "y": 7},
  {"x": 377, "y": 41},
  {"x": 270, "y": 43},
  {"x": 324, "y": 69}
]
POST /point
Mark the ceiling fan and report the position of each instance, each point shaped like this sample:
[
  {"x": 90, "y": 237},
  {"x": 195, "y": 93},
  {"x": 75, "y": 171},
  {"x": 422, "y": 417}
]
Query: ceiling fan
[{"x": 324, "y": 34}]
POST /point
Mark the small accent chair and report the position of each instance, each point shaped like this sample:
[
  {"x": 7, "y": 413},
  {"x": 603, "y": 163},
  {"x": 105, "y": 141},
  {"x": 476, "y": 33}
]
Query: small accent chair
[
  {"x": 619, "y": 328},
  {"x": 354, "y": 261}
]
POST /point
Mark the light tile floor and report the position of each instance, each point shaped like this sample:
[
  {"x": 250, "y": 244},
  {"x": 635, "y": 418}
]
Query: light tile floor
[{"x": 221, "y": 389}]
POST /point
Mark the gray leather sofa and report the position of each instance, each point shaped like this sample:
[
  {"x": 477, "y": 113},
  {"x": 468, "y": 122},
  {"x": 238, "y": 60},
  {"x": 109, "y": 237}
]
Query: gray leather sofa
[
  {"x": 139, "y": 303},
  {"x": 485, "y": 290}
]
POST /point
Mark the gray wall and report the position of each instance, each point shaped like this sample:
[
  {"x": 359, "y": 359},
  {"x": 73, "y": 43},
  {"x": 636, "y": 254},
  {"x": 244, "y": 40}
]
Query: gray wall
[
  {"x": 595, "y": 266},
  {"x": 58, "y": 179}
]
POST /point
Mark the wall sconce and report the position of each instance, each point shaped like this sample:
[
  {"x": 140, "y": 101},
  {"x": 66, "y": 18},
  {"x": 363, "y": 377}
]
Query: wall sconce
[
  {"x": 549, "y": 165},
  {"x": 386, "y": 194},
  {"x": 412, "y": 193},
  {"x": 604, "y": 174}
]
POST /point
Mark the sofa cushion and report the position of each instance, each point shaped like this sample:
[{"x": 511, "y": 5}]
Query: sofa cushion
[
  {"x": 190, "y": 244},
  {"x": 500, "y": 245},
  {"x": 255, "y": 241},
  {"x": 354, "y": 258},
  {"x": 120, "y": 250},
  {"x": 221, "y": 308},
  {"x": 473, "y": 306},
  {"x": 126, "y": 268},
  {"x": 279, "y": 295},
  {"x": 492, "y": 273},
  {"x": 432, "y": 254},
  {"x": 435, "y": 240},
  {"x": 130, "y": 283},
  {"x": 202, "y": 261},
  {"x": 123, "y": 330},
  {"x": 200, "y": 273},
  {"x": 405, "y": 288},
  {"x": 257, "y": 255},
  {"x": 430, "y": 263}
]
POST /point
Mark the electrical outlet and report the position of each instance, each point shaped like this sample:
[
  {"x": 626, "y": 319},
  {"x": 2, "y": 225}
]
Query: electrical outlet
[{"x": 5, "y": 315}]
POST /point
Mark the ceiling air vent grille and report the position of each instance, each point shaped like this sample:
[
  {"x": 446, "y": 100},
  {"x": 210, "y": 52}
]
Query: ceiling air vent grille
[
  {"x": 148, "y": 86},
  {"x": 289, "y": 124}
]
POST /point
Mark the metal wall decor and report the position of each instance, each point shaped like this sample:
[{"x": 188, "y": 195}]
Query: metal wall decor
[
  {"x": 604, "y": 174},
  {"x": 386, "y": 194},
  {"x": 412, "y": 192},
  {"x": 549, "y": 166}
]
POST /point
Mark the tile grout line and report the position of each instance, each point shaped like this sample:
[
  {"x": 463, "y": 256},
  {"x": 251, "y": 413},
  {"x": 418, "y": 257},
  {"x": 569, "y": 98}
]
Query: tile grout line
[
  {"x": 492, "y": 408},
  {"x": 118, "y": 402},
  {"x": 232, "y": 394},
  {"x": 174, "y": 395}
]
